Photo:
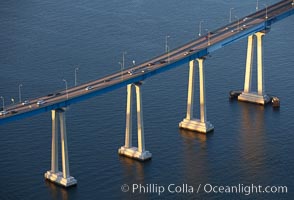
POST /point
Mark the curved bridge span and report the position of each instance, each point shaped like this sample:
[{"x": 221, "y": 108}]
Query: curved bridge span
[{"x": 253, "y": 27}]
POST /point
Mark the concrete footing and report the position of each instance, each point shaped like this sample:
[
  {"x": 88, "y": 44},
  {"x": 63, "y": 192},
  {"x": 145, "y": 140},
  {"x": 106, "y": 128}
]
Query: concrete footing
[
  {"x": 254, "y": 98},
  {"x": 59, "y": 179},
  {"x": 196, "y": 125},
  {"x": 134, "y": 153}
]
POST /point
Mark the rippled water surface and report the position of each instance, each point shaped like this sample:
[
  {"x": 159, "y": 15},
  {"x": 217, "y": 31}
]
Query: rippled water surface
[{"x": 41, "y": 43}]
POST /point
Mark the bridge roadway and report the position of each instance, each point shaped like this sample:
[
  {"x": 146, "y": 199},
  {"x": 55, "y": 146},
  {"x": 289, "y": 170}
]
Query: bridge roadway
[{"x": 258, "y": 21}]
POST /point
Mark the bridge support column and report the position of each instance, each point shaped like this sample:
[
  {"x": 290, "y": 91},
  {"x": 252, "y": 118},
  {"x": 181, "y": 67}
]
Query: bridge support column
[
  {"x": 63, "y": 178},
  {"x": 258, "y": 97},
  {"x": 128, "y": 150},
  {"x": 189, "y": 122}
]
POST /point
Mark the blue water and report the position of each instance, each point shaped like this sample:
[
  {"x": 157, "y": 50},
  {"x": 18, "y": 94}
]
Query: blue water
[{"x": 42, "y": 42}]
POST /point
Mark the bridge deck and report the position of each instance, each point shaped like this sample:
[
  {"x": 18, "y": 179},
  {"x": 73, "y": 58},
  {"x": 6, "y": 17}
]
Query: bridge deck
[{"x": 258, "y": 21}]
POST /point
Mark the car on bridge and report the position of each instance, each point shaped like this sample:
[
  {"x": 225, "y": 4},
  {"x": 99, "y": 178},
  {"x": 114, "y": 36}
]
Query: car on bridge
[
  {"x": 41, "y": 102},
  {"x": 145, "y": 70},
  {"x": 26, "y": 102},
  {"x": 150, "y": 64},
  {"x": 89, "y": 88},
  {"x": 13, "y": 112},
  {"x": 131, "y": 72},
  {"x": 3, "y": 112}
]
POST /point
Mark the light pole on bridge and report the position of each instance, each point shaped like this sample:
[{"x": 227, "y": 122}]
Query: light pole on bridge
[
  {"x": 167, "y": 47},
  {"x": 65, "y": 88},
  {"x": 230, "y": 20},
  {"x": 166, "y": 44},
  {"x": 123, "y": 59},
  {"x": 122, "y": 64},
  {"x": 238, "y": 28},
  {"x": 200, "y": 27},
  {"x": 256, "y": 5},
  {"x": 208, "y": 37},
  {"x": 265, "y": 11},
  {"x": 76, "y": 70},
  {"x": 3, "y": 103},
  {"x": 19, "y": 92}
]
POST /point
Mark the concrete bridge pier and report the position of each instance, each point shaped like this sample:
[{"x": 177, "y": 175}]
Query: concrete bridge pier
[
  {"x": 128, "y": 150},
  {"x": 247, "y": 95},
  {"x": 199, "y": 125},
  {"x": 63, "y": 178}
]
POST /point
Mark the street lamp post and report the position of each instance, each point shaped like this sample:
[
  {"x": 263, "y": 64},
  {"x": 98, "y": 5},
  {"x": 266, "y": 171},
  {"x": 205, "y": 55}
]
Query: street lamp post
[
  {"x": 167, "y": 47},
  {"x": 200, "y": 27},
  {"x": 292, "y": 3},
  {"x": 76, "y": 69},
  {"x": 19, "y": 92},
  {"x": 265, "y": 11},
  {"x": 208, "y": 37},
  {"x": 122, "y": 65},
  {"x": 3, "y": 103},
  {"x": 123, "y": 61},
  {"x": 238, "y": 28},
  {"x": 256, "y": 5},
  {"x": 230, "y": 20},
  {"x": 65, "y": 88},
  {"x": 166, "y": 44}
]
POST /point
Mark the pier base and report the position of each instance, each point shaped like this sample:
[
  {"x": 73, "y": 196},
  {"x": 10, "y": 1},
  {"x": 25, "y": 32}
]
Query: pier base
[
  {"x": 62, "y": 178},
  {"x": 58, "y": 178},
  {"x": 128, "y": 149},
  {"x": 247, "y": 94},
  {"x": 134, "y": 153},
  {"x": 196, "y": 125},
  {"x": 254, "y": 98},
  {"x": 190, "y": 123}
]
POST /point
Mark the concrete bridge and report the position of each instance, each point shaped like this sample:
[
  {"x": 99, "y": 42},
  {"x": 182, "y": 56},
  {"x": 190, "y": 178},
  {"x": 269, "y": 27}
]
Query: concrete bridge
[{"x": 253, "y": 27}]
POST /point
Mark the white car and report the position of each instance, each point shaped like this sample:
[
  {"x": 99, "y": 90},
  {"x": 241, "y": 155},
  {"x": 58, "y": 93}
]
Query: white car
[
  {"x": 40, "y": 102},
  {"x": 89, "y": 88},
  {"x": 3, "y": 112},
  {"x": 26, "y": 102}
]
